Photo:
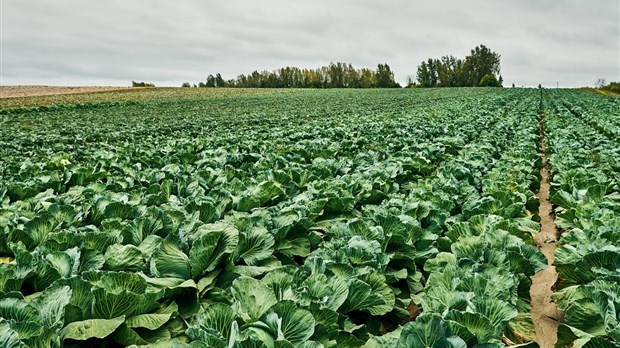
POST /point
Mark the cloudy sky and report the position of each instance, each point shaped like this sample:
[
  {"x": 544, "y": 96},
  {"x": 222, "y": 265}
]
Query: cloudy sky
[{"x": 112, "y": 42}]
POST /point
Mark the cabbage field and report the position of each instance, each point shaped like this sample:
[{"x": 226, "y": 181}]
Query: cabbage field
[{"x": 307, "y": 218}]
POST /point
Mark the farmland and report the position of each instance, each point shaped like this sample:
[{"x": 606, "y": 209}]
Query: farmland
[{"x": 308, "y": 218}]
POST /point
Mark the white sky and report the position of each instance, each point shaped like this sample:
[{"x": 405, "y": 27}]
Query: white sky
[{"x": 112, "y": 42}]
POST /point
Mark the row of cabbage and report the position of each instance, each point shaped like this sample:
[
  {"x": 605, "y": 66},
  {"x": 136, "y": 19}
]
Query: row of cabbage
[
  {"x": 584, "y": 158},
  {"x": 483, "y": 212},
  {"x": 309, "y": 219},
  {"x": 600, "y": 112}
]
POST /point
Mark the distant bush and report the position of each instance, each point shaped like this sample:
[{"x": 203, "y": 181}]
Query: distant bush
[
  {"x": 613, "y": 87},
  {"x": 489, "y": 80},
  {"x": 142, "y": 84},
  {"x": 186, "y": 84}
]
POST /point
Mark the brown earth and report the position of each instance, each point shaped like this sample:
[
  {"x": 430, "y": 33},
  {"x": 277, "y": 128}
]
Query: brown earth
[
  {"x": 25, "y": 96},
  {"x": 35, "y": 91},
  {"x": 544, "y": 312}
]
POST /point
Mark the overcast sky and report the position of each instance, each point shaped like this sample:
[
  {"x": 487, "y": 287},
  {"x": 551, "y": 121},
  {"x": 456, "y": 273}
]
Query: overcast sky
[{"x": 112, "y": 42}]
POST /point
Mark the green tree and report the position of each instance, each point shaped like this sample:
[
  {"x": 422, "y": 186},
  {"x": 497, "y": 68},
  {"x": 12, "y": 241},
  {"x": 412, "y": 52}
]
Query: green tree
[
  {"x": 219, "y": 81},
  {"x": 433, "y": 67},
  {"x": 142, "y": 84},
  {"x": 424, "y": 75},
  {"x": 367, "y": 78},
  {"x": 480, "y": 62},
  {"x": 489, "y": 80},
  {"x": 210, "y": 81},
  {"x": 335, "y": 75},
  {"x": 385, "y": 77},
  {"x": 351, "y": 77},
  {"x": 450, "y": 71},
  {"x": 311, "y": 78},
  {"x": 613, "y": 87}
]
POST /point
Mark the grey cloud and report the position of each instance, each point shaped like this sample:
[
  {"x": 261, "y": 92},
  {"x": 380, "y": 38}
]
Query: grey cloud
[{"x": 86, "y": 42}]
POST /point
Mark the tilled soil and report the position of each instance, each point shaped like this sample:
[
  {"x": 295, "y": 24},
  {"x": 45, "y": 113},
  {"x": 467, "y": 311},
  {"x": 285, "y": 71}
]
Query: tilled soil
[
  {"x": 37, "y": 91},
  {"x": 544, "y": 312}
]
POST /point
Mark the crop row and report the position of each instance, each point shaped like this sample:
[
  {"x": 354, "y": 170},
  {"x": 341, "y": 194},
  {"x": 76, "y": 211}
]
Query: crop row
[
  {"x": 586, "y": 194},
  {"x": 601, "y": 113},
  {"x": 482, "y": 206}
]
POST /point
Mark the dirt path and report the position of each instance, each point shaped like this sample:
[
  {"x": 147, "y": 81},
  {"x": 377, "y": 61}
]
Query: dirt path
[
  {"x": 32, "y": 91},
  {"x": 544, "y": 312}
]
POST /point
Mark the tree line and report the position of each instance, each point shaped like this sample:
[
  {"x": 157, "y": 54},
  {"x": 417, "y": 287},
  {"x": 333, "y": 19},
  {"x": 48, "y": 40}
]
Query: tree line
[
  {"x": 334, "y": 75},
  {"x": 480, "y": 68},
  {"x": 141, "y": 84}
]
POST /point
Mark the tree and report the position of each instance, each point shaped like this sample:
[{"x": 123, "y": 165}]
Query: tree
[
  {"x": 489, "y": 80},
  {"x": 335, "y": 75},
  {"x": 449, "y": 71},
  {"x": 428, "y": 73},
  {"x": 613, "y": 87},
  {"x": 600, "y": 82},
  {"x": 433, "y": 67},
  {"x": 480, "y": 62},
  {"x": 424, "y": 75},
  {"x": 311, "y": 78},
  {"x": 241, "y": 80},
  {"x": 142, "y": 84},
  {"x": 367, "y": 78},
  {"x": 185, "y": 84},
  {"x": 210, "y": 81},
  {"x": 385, "y": 77},
  {"x": 219, "y": 81},
  {"x": 351, "y": 77}
]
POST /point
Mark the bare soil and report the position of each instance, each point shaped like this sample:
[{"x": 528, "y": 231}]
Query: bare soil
[
  {"x": 544, "y": 312},
  {"x": 36, "y": 91}
]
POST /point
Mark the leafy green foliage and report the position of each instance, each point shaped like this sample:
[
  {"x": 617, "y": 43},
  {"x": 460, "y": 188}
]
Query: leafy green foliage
[
  {"x": 480, "y": 68},
  {"x": 336, "y": 219},
  {"x": 334, "y": 75},
  {"x": 584, "y": 133}
]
